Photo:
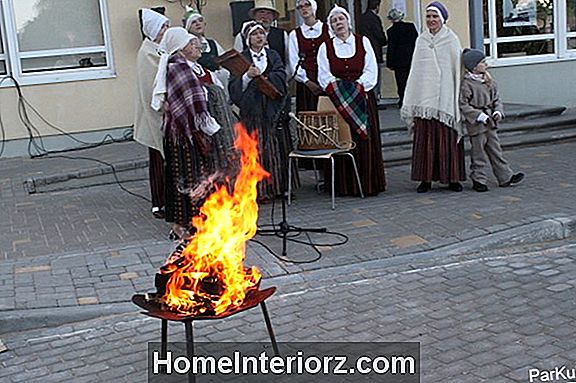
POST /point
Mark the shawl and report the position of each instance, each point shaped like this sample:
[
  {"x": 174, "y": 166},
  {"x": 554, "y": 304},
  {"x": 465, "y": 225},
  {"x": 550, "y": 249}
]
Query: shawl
[
  {"x": 187, "y": 104},
  {"x": 433, "y": 85},
  {"x": 251, "y": 101},
  {"x": 349, "y": 99},
  {"x": 147, "y": 121}
]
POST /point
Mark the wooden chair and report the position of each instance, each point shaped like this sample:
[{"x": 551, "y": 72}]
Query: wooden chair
[{"x": 320, "y": 138}]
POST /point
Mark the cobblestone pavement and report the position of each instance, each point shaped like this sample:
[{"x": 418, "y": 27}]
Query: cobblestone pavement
[
  {"x": 479, "y": 318},
  {"x": 100, "y": 244}
]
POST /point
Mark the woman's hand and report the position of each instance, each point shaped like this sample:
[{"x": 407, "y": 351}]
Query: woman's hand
[
  {"x": 314, "y": 88},
  {"x": 253, "y": 71}
]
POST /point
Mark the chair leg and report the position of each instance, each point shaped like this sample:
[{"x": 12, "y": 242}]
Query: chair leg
[
  {"x": 357, "y": 175},
  {"x": 316, "y": 182},
  {"x": 289, "y": 180},
  {"x": 333, "y": 188}
]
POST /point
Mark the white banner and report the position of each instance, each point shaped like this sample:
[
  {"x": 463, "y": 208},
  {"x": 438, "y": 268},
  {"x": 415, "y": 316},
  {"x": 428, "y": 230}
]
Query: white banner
[{"x": 518, "y": 13}]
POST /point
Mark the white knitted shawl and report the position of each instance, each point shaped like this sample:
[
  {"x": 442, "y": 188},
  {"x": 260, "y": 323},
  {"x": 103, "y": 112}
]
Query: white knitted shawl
[
  {"x": 147, "y": 121},
  {"x": 433, "y": 85}
]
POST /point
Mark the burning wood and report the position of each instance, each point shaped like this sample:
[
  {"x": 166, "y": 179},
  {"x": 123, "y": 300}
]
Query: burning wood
[{"x": 206, "y": 275}]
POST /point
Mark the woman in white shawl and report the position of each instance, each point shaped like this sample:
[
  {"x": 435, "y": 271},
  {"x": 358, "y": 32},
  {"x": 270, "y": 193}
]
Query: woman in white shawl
[
  {"x": 431, "y": 104},
  {"x": 147, "y": 121}
]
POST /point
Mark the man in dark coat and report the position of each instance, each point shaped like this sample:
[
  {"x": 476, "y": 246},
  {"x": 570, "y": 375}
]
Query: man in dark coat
[
  {"x": 401, "y": 43},
  {"x": 371, "y": 26}
]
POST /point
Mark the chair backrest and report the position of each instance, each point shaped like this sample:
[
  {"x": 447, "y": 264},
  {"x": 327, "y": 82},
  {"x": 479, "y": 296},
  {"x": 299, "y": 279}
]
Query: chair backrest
[{"x": 317, "y": 130}]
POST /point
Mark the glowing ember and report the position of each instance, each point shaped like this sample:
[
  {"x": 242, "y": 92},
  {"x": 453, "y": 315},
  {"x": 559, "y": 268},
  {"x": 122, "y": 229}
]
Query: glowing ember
[{"x": 210, "y": 277}]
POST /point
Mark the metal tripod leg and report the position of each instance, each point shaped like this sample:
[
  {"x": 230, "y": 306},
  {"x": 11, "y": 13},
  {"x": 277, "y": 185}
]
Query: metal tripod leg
[{"x": 270, "y": 330}]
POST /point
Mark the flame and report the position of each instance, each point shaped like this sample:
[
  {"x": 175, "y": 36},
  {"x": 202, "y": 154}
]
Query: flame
[{"x": 211, "y": 277}]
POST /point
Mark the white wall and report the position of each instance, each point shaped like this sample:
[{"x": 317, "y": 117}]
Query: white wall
[{"x": 540, "y": 84}]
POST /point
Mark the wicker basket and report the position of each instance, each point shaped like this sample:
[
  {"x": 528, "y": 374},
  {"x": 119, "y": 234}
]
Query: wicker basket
[{"x": 317, "y": 130}]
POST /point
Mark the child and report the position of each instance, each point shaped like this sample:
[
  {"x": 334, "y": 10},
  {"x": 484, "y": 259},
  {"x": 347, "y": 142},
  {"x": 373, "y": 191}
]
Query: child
[{"x": 482, "y": 110}]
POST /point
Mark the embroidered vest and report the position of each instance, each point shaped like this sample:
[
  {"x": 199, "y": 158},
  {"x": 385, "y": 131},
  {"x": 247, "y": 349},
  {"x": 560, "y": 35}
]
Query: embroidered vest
[
  {"x": 349, "y": 69},
  {"x": 309, "y": 47}
]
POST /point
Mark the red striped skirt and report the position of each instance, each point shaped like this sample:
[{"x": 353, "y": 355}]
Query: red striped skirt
[{"x": 436, "y": 155}]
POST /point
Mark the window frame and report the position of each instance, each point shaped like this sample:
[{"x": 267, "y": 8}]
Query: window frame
[
  {"x": 560, "y": 37},
  {"x": 13, "y": 57}
]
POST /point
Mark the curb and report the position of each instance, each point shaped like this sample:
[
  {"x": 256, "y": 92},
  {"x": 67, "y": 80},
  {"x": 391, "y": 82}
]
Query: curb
[
  {"x": 552, "y": 229},
  {"x": 33, "y": 183},
  {"x": 31, "y": 319}
]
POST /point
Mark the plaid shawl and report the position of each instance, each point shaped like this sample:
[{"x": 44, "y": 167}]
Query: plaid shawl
[
  {"x": 186, "y": 107},
  {"x": 350, "y": 100}
]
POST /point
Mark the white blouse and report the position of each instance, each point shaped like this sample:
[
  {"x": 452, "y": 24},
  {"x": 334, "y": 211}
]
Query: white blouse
[
  {"x": 347, "y": 49},
  {"x": 260, "y": 60},
  {"x": 294, "y": 52}
]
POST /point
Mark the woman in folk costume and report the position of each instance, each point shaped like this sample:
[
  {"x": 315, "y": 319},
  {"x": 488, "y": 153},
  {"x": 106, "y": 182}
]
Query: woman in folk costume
[
  {"x": 193, "y": 139},
  {"x": 195, "y": 24},
  {"x": 261, "y": 113},
  {"x": 431, "y": 107},
  {"x": 147, "y": 121},
  {"x": 303, "y": 44},
  {"x": 348, "y": 72}
]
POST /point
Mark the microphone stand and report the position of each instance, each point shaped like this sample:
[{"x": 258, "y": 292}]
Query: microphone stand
[{"x": 284, "y": 228}]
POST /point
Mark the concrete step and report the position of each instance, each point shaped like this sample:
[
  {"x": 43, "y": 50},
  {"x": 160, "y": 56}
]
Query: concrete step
[
  {"x": 401, "y": 154},
  {"x": 517, "y": 117}
]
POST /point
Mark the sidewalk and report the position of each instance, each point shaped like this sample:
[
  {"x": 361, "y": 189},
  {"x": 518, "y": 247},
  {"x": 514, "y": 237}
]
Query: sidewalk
[{"x": 99, "y": 244}]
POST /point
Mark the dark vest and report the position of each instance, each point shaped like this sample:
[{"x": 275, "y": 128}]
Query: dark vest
[
  {"x": 207, "y": 59},
  {"x": 309, "y": 47},
  {"x": 349, "y": 69}
]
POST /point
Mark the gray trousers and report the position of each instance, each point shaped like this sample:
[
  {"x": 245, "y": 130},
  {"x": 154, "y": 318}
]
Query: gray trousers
[{"x": 486, "y": 148}]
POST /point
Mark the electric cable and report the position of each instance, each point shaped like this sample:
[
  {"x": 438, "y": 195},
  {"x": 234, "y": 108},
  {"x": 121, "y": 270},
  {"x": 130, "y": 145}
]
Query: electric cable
[{"x": 37, "y": 149}]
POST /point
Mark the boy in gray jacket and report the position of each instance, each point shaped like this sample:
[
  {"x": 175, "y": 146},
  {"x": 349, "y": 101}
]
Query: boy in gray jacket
[{"x": 482, "y": 110}]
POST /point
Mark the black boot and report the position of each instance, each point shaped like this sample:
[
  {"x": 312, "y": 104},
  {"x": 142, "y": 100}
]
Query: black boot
[
  {"x": 479, "y": 187},
  {"x": 455, "y": 186},
  {"x": 424, "y": 187}
]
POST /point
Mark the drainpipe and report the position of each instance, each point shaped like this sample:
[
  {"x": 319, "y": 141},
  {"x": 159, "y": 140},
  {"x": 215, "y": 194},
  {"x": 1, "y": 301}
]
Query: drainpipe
[{"x": 476, "y": 24}]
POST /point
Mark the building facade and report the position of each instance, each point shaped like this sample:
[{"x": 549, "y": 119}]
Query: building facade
[{"x": 74, "y": 60}]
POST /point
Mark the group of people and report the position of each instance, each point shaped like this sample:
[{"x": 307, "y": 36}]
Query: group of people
[
  {"x": 184, "y": 114},
  {"x": 437, "y": 96}
]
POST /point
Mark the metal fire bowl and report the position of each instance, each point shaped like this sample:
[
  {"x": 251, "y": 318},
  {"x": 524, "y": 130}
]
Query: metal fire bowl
[{"x": 253, "y": 298}]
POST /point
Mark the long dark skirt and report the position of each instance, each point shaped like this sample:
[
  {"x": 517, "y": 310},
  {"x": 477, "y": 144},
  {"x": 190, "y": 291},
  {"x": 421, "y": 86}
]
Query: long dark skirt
[
  {"x": 305, "y": 99},
  {"x": 156, "y": 173},
  {"x": 274, "y": 144},
  {"x": 368, "y": 155},
  {"x": 436, "y": 155},
  {"x": 186, "y": 168}
]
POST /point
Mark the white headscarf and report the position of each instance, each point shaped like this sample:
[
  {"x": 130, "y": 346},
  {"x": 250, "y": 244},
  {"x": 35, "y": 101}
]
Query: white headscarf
[
  {"x": 334, "y": 11},
  {"x": 193, "y": 17},
  {"x": 152, "y": 22},
  {"x": 174, "y": 39},
  {"x": 313, "y": 5},
  {"x": 249, "y": 28}
]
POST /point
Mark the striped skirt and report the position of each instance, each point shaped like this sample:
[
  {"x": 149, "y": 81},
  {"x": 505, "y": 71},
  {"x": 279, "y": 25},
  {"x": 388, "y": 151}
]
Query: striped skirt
[{"x": 436, "y": 155}]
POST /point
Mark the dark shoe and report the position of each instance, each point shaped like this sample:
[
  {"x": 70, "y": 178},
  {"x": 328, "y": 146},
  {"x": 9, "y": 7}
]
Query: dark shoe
[
  {"x": 424, "y": 187},
  {"x": 479, "y": 187},
  {"x": 158, "y": 212},
  {"x": 455, "y": 186},
  {"x": 514, "y": 180}
]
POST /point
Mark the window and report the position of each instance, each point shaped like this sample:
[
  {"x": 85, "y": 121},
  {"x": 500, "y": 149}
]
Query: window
[
  {"x": 55, "y": 40},
  {"x": 523, "y": 31}
]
